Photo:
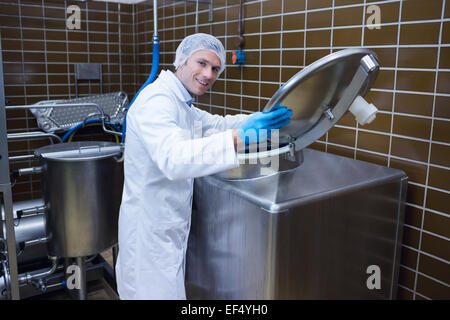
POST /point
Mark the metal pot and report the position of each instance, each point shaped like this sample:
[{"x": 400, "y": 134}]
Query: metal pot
[{"x": 82, "y": 186}]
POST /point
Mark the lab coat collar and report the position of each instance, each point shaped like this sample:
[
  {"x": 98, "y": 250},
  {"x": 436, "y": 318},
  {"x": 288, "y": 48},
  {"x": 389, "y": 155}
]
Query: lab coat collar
[{"x": 182, "y": 92}]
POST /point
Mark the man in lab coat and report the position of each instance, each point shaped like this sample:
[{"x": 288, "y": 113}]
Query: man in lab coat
[{"x": 170, "y": 142}]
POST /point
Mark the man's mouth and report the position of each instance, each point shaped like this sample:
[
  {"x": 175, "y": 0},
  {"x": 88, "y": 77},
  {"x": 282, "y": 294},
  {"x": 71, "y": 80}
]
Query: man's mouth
[{"x": 203, "y": 83}]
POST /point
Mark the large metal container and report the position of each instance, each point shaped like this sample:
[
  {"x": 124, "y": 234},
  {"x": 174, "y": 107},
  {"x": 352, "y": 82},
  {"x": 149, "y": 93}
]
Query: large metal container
[
  {"x": 313, "y": 232},
  {"x": 82, "y": 186}
]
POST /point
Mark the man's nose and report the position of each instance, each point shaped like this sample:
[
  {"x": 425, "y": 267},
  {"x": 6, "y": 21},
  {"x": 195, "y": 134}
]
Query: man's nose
[{"x": 208, "y": 73}]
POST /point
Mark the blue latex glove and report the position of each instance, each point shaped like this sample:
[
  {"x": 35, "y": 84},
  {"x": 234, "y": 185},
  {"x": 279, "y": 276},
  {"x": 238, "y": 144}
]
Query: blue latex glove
[{"x": 257, "y": 127}]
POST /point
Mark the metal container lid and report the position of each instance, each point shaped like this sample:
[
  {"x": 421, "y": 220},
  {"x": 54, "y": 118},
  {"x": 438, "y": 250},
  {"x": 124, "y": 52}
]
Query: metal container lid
[
  {"x": 79, "y": 151},
  {"x": 322, "y": 92}
]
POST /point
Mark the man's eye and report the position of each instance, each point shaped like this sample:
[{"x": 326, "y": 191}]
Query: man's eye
[
  {"x": 202, "y": 63},
  {"x": 215, "y": 69}
]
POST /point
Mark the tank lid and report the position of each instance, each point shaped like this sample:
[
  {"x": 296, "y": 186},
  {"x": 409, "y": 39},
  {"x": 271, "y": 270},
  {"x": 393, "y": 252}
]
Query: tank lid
[
  {"x": 322, "y": 92},
  {"x": 80, "y": 150}
]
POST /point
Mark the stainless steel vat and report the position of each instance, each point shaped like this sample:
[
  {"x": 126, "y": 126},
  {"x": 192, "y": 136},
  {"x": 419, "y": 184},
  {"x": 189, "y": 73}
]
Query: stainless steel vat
[
  {"x": 308, "y": 233},
  {"x": 82, "y": 186}
]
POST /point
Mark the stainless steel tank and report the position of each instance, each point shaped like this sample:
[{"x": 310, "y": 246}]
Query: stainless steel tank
[
  {"x": 294, "y": 223},
  {"x": 82, "y": 186},
  {"x": 314, "y": 232}
]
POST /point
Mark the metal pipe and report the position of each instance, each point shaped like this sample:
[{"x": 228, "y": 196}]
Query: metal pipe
[
  {"x": 32, "y": 211},
  {"x": 24, "y": 157},
  {"x": 27, "y": 277},
  {"x": 82, "y": 292},
  {"x": 155, "y": 18},
  {"x": 33, "y": 134},
  {"x": 196, "y": 16},
  {"x": 36, "y": 241},
  {"x": 27, "y": 171}
]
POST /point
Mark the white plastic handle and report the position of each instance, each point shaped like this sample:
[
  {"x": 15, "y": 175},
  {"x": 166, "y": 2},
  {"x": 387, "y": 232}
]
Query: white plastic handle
[{"x": 363, "y": 111}]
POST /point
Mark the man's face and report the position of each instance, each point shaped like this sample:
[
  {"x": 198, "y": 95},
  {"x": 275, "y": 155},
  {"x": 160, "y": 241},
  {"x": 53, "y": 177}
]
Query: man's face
[{"x": 199, "y": 72}]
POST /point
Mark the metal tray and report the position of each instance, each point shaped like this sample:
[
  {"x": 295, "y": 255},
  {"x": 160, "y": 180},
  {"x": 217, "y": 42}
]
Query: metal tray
[{"x": 54, "y": 118}]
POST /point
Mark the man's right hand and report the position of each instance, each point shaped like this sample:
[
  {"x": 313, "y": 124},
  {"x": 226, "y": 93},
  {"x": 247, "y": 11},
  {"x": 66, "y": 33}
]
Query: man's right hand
[{"x": 257, "y": 127}]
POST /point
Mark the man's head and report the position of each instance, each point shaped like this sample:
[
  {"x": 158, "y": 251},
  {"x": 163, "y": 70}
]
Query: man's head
[{"x": 200, "y": 59}]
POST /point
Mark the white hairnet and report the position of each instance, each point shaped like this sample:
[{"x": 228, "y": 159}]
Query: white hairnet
[{"x": 196, "y": 42}]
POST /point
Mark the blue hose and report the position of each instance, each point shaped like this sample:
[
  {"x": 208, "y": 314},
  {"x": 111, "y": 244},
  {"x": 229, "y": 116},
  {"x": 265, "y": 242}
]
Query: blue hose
[{"x": 150, "y": 79}]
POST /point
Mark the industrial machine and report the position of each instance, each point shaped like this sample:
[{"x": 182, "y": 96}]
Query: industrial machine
[
  {"x": 55, "y": 242},
  {"x": 296, "y": 223}
]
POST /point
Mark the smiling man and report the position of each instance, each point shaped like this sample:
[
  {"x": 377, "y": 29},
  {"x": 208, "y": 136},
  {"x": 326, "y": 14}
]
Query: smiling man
[{"x": 163, "y": 155}]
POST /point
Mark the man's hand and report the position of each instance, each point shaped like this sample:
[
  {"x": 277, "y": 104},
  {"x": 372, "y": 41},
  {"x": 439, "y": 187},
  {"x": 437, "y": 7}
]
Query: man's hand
[{"x": 258, "y": 126}]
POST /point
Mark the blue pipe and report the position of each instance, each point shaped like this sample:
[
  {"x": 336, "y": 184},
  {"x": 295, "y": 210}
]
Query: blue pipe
[{"x": 150, "y": 79}]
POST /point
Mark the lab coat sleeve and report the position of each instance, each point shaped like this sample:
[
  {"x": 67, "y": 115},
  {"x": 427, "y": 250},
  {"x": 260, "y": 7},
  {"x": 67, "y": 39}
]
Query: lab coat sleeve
[
  {"x": 172, "y": 148},
  {"x": 214, "y": 122}
]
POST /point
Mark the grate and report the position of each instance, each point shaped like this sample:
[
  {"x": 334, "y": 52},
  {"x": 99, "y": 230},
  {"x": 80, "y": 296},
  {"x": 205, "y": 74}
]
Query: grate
[{"x": 53, "y": 119}]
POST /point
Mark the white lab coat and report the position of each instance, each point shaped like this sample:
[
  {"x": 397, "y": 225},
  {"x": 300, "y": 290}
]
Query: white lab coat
[{"x": 164, "y": 151}]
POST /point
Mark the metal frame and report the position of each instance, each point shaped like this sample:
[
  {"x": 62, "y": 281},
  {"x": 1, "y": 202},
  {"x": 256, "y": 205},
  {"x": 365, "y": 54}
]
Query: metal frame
[{"x": 5, "y": 189}]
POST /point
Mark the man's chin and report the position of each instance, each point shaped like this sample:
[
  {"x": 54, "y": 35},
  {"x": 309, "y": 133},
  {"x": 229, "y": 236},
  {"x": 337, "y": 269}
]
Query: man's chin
[{"x": 200, "y": 92}]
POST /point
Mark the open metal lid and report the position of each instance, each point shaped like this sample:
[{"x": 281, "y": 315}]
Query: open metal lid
[
  {"x": 79, "y": 151},
  {"x": 322, "y": 92}
]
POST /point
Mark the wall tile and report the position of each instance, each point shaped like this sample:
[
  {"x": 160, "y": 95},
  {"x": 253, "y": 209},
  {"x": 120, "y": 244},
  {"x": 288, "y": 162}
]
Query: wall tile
[
  {"x": 438, "y": 201},
  {"x": 412, "y": 126},
  {"x": 417, "y": 57},
  {"x": 436, "y": 223},
  {"x": 414, "y": 104},
  {"x": 348, "y": 16},
  {"x": 416, "y": 81},
  {"x": 319, "y": 19},
  {"x": 294, "y": 22},
  {"x": 410, "y": 149},
  {"x": 347, "y": 37},
  {"x": 415, "y": 10},
  {"x": 294, "y": 5},
  {"x": 441, "y": 131},
  {"x": 319, "y": 38},
  {"x": 432, "y": 289},
  {"x": 419, "y": 33},
  {"x": 439, "y": 154},
  {"x": 443, "y": 84},
  {"x": 317, "y": 4},
  {"x": 373, "y": 142}
]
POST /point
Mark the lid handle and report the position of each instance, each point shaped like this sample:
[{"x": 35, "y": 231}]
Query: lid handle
[{"x": 89, "y": 147}]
